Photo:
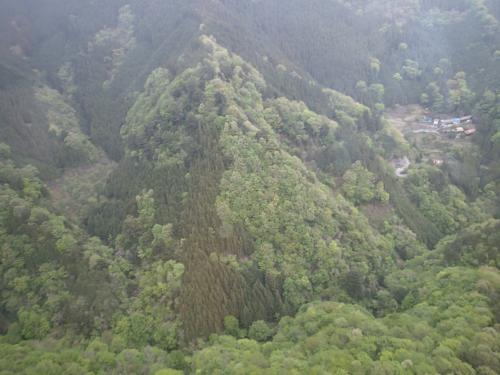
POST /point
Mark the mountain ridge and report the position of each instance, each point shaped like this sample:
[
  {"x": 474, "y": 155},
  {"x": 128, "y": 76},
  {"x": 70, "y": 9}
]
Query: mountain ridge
[{"x": 183, "y": 189}]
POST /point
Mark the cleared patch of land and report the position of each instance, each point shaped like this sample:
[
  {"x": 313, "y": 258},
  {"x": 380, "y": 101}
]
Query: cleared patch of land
[{"x": 432, "y": 141}]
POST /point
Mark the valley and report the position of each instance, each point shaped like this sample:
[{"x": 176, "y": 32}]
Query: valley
[
  {"x": 261, "y": 187},
  {"x": 434, "y": 143}
]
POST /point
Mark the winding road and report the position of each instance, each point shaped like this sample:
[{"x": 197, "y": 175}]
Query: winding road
[
  {"x": 402, "y": 166},
  {"x": 433, "y": 131}
]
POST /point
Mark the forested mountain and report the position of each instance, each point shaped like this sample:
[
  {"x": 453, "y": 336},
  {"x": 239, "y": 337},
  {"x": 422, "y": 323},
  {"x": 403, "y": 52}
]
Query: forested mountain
[{"x": 249, "y": 187}]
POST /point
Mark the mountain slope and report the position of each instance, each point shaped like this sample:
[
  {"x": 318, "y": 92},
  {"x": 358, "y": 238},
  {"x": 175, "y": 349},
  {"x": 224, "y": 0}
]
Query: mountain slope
[
  {"x": 183, "y": 190},
  {"x": 210, "y": 128}
]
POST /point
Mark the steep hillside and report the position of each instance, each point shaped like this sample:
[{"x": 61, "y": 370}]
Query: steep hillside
[
  {"x": 218, "y": 187},
  {"x": 245, "y": 205}
]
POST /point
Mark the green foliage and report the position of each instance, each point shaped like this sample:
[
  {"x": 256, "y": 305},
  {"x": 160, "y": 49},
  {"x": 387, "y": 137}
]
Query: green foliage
[
  {"x": 375, "y": 65},
  {"x": 488, "y": 22},
  {"x": 339, "y": 338},
  {"x": 474, "y": 246},
  {"x": 226, "y": 208},
  {"x": 79, "y": 188},
  {"x": 359, "y": 185},
  {"x": 446, "y": 207},
  {"x": 231, "y": 326},
  {"x": 260, "y": 331},
  {"x": 168, "y": 372},
  {"x": 257, "y": 183},
  {"x": 65, "y": 127},
  {"x": 460, "y": 96},
  {"x": 298, "y": 123},
  {"x": 411, "y": 70},
  {"x": 5, "y": 151},
  {"x": 94, "y": 357},
  {"x": 48, "y": 267},
  {"x": 150, "y": 318},
  {"x": 281, "y": 216},
  {"x": 435, "y": 98},
  {"x": 376, "y": 92},
  {"x": 33, "y": 324},
  {"x": 118, "y": 41},
  {"x": 398, "y": 77}
]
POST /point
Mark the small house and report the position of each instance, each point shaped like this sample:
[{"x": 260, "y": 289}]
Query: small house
[
  {"x": 437, "y": 162},
  {"x": 470, "y": 131},
  {"x": 459, "y": 129}
]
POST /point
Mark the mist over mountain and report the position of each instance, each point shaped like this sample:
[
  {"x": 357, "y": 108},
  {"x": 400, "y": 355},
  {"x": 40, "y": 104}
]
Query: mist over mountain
[{"x": 249, "y": 187}]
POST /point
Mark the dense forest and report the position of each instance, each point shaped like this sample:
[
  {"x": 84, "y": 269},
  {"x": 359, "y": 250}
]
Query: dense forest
[{"x": 249, "y": 187}]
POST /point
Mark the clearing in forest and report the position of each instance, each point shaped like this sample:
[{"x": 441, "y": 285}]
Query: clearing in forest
[{"x": 430, "y": 133}]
